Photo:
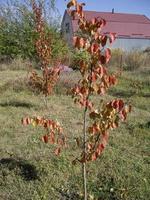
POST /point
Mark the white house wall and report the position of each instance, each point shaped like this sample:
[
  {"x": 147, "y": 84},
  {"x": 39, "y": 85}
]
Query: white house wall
[
  {"x": 68, "y": 36},
  {"x": 128, "y": 44}
]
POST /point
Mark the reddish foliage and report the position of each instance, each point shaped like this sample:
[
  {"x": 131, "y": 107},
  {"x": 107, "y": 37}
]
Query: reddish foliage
[
  {"x": 54, "y": 132},
  {"x": 47, "y": 81},
  {"x": 95, "y": 80}
]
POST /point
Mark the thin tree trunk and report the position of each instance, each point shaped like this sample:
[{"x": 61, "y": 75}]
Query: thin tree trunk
[
  {"x": 84, "y": 164},
  {"x": 45, "y": 102}
]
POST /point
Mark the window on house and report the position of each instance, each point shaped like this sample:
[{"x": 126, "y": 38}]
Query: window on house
[{"x": 67, "y": 28}]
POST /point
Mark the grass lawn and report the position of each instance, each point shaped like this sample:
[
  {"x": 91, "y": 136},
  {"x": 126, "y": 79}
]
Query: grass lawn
[{"x": 30, "y": 171}]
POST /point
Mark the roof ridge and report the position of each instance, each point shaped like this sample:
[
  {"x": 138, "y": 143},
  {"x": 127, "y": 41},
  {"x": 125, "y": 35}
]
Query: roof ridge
[
  {"x": 116, "y": 13},
  {"x": 136, "y": 22}
]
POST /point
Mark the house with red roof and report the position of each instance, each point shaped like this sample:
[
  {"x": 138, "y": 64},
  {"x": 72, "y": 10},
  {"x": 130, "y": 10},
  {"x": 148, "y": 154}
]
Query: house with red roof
[{"x": 132, "y": 30}]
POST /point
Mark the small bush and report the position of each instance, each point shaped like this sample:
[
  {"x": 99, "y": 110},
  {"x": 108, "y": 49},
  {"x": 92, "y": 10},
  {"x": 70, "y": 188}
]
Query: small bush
[
  {"x": 14, "y": 64},
  {"x": 78, "y": 56},
  {"x": 134, "y": 60},
  {"x": 117, "y": 57}
]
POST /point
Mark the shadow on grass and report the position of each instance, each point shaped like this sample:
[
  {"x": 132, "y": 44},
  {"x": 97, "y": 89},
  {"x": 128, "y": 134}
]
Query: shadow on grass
[
  {"x": 125, "y": 94},
  {"x": 144, "y": 125},
  {"x": 17, "y": 104},
  {"x": 146, "y": 95},
  {"x": 26, "y": 170},
  {"x": 67, "y": 194}
]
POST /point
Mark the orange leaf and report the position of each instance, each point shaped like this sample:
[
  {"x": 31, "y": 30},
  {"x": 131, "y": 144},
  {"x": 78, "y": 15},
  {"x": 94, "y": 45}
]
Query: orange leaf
[
  {"x": 89, "y": 104},
  {"x": 57, "y": 151},
  {"x": 112, "y": 37},
  {"x": 94, "y": 115},
  {"x": 103, "y": 22},
  {"x": 123, "y": 114},
  {"x": 93, "y": 48},
  {"x": 107, "y": 54},
  {"x": 52, "y": 137},
  {"x": 73, "y": 14},
  {"x": 71, "y": 3},
  {"x": 102, "y": 59},
  {"x": 79, "y": 9},
  {"x": 26, "y": 121},
  {"x": 94, "y": 156},
  {"x": 45, "y": 138},
  {"x": 104, "y": 40},
  {"x": 120, "y": 104}
]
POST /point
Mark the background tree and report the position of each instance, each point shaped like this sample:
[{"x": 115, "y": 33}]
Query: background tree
[
  {"x": 45, "y": 82},
  {"x": 17, "y": 30},
  {"x": 96, "y": 80}
]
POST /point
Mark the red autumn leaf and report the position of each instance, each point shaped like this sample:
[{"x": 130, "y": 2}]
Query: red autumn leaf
[
  {"x": 79, "y": 9},
  {"x": 94, "y": 156},
  {"x": 75, "y": 41},
  {"x": 114, "y": 104},
  {"x": 94, "y": 77},
  {"x": 107, "y": 54},
  {"x": 83, "y": 158},
  {"x": 114, "y": 125},
  {"x": 112, "y": 37},
  {"x": 49, "y": 123},
  {"x": 73, "y": 14},
  {"x": 84, "y": 90},
  {"x": 94, "y": 129},
  {"x": 102, "y": 59},
  {"x": 104, "y": 40},
  {"x": 45, "y": 138},
  {"x": 101, "y": 71},
  {"x": 26, "y": 121},
  {"x": 94, "y": 48},
  {"x": 101, "y": 90},
  {"x": 93, "y": 21},
  {"x": 103, "y": 22},
  {"x": 89, "y": 146},
  {"x": 123, "y": 114},
  {"x": 105, "y": 137},
  {"x": 96, "y": 35},
  {"x": 94, "y": 115},
  {"x": 52, "y": 137},
  {"x": 45, "y": 124},
  {"x": 89, "y": 104},
  {"x": 71, "y": 3},
  {"x": 120, "y": 104},
  {"x": 76, "y": 90},
  {"x": 82, "y": 43},
  {"x": 82, "y": 26},
  {"x": 112, "y": 80},
  {"x": 79, "y": 42},
  {"x": 130, "y": 108},
  {"x": 100, "y": 148},
  {"x": 57, "y": 151}
]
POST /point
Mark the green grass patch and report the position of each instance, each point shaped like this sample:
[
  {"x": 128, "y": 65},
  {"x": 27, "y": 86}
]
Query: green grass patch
[{"x": 28, "y": 168}]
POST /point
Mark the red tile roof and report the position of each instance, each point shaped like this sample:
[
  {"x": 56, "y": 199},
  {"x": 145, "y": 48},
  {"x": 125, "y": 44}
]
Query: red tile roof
[{"x": 124, "y": 25}]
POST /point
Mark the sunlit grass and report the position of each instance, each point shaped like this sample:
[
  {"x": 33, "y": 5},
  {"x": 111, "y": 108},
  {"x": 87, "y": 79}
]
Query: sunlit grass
[{"x": 28, "y": 168}]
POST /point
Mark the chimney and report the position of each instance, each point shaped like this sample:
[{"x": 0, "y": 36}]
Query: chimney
[{"x": 113, "y": 10}]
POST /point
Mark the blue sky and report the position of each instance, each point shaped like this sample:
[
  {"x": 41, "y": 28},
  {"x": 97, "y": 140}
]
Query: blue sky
[{"x": 121, "y": 6}]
